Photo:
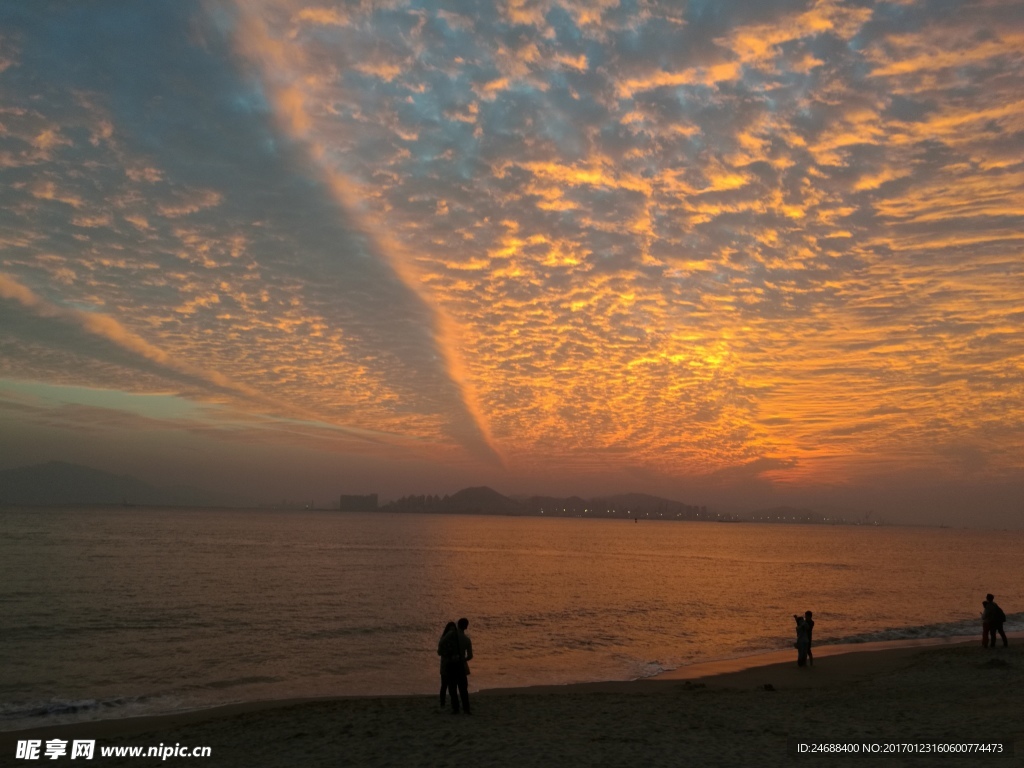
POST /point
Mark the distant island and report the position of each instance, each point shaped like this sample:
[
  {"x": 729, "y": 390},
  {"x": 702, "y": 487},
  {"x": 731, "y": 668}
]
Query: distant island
[
  {"x": 486, "y": 501},
  {"x": 58, "y": 483},
  {"x": 483, "y": 500}
]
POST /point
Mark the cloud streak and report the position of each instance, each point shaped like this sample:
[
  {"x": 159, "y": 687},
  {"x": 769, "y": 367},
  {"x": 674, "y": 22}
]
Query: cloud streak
[
  {"x": 212, "y": 384},
  {"x": 280, "y": 63}
]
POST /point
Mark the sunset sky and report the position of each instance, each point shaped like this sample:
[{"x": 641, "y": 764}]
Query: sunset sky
[{"x": 732, "y": 252}]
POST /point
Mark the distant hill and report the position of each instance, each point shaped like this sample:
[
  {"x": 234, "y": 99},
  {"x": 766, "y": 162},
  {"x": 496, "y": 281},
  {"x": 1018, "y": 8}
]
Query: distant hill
[
  {"x": 479, "y": 500},
  {"x": 58, "y": 483},
  {"x": 483, "y": 499}
]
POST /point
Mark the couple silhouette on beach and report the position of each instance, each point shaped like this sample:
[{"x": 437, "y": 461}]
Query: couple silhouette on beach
[
  {"x": 992, "y": 619},
  {"x": 456, "y": 651},
  {"x": 804, "y": 630}
]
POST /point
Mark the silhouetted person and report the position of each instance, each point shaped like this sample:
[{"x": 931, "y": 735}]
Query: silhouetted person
[
  {"x": 458, "y": 669},
  {"x": 810, "y": 636},
  {"x": 449, "y": 628},
  {"x": 996, "y": 617},
  {"x": 803, "y": 638},
  {"x": 986, "y": 622},
  {"x": 465, "y": 642}
]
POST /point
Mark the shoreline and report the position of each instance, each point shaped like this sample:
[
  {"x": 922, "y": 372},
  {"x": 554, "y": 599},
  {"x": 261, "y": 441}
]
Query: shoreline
[
  {"x": 742, "y": 671},
  {"x": 704, "y": 671},
  {"x": 840, "y": 679}
]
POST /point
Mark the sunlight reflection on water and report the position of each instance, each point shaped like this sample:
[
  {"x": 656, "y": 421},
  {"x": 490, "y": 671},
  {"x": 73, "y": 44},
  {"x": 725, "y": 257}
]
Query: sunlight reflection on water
[{"x": 162, "y": 608}]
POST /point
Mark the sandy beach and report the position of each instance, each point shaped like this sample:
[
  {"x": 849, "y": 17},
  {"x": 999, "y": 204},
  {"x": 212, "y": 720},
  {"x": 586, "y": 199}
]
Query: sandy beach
[{"x": 958, "y": 691}]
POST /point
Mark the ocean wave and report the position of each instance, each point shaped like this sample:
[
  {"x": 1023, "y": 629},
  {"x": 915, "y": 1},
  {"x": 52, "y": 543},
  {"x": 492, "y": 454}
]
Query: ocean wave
[
  {"x": 19, "y": 715},
  {"x": 964, "y": 627},
  {"x": 16, "y": 711},
  {"x": 239, "y": 681}
]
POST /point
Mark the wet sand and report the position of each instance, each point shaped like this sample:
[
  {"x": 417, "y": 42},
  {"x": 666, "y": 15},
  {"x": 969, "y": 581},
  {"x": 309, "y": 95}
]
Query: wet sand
[{"x": 721, "y": 714}]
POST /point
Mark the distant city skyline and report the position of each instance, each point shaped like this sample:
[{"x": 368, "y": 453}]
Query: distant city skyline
[
  {"x": 60, "y": 484},
  {"x": 738, "y": 254}
]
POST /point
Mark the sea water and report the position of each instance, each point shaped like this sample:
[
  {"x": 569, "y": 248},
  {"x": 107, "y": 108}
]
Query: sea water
[{"x": 113, "y": 612}]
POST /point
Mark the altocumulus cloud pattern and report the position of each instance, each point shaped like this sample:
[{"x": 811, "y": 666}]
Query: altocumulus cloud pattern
[{"x": 776, "y": 239}]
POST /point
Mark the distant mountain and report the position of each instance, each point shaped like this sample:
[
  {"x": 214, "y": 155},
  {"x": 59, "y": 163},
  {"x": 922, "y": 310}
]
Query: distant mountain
[
  {"x": 483, "y": 499},
  {"x": 479, "y": 500},
  {"x": 59, "y": 483}
]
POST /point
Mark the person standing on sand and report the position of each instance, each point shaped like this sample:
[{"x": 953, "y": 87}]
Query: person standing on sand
[
  {"x": 810, "y": 636},
  {"x": 995, "y": 622},
  {"x": 803, "y": 638},
  {"x": 458, "y": 670},
  {"x": 465, "y": 642},
  {"x": 449, "y": 628},
  {"x": 986, "y": 622}
]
